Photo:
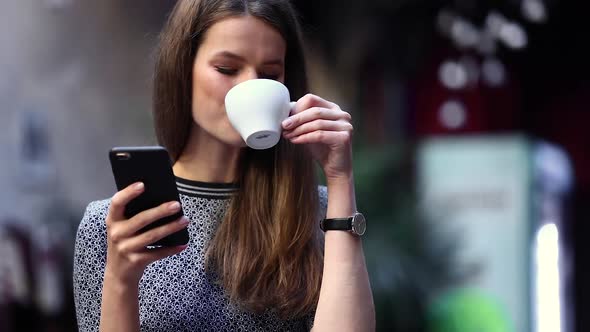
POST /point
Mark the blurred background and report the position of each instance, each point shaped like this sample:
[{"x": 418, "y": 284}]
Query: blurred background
[{"x": 471, "y": 149}]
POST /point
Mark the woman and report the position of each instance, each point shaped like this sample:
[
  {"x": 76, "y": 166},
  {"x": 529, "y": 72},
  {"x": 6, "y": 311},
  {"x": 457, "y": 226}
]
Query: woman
[{"x": 257, "y": 259}]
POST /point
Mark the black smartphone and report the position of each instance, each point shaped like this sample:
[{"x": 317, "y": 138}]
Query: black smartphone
[{"x": 152, "y": 166}]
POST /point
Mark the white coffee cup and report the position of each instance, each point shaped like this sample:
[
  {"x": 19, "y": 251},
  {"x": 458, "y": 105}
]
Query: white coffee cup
[{"x": 256, "y": 109}]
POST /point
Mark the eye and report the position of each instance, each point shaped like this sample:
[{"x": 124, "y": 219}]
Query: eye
[
  {"x": 269, "y": 76},
  {"x": 226, "y": 70}
]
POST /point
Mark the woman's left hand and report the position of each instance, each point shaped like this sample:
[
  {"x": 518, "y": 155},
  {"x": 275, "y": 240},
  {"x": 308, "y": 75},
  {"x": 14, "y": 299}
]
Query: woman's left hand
[{"x": 327, "y": 130}]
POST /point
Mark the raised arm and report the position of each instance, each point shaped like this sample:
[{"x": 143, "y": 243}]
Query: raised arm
[{"x": 346, "y": 300}]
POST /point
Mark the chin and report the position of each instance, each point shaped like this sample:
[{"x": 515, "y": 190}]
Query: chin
[
  {"x": 235, "y": 141},
  {"x": 230, "y": 136},
  {"x": 240, "y": 144}
]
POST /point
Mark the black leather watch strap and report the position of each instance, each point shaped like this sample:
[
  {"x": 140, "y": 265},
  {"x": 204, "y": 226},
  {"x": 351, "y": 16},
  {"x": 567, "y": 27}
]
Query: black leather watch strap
[{"x": 339, "y": 224}]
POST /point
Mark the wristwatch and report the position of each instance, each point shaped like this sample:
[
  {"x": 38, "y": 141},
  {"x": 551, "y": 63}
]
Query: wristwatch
[{"x": 356, "y": 224}]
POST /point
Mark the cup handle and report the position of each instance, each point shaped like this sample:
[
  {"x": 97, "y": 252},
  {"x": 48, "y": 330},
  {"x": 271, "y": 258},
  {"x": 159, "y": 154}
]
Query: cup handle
[{"x": 291, "y": 106}]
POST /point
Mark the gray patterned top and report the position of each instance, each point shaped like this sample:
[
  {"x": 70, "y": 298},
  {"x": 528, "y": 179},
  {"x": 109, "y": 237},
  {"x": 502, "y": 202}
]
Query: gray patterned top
[{"x": 175, "y": 293}]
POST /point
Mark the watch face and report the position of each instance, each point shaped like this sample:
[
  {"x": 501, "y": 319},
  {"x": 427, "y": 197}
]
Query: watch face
[{"x": 359, "y": 224}]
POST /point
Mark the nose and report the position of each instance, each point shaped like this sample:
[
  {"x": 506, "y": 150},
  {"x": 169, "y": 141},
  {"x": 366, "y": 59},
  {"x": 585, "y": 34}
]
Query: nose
[{"x": 249, "y": 74}]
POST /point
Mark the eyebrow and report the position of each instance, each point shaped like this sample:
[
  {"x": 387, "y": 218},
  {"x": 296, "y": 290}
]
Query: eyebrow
[{"x": 234, "y": 56}]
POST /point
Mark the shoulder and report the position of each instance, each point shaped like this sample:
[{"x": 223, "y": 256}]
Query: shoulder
[
  {"x": 96, "y": 211},
  {"x": 97, "y": 208},
  {"x": 91, "y": 238},
  {"x": 323, "y": 200},
  {"x": 323, "y": 194},
  {"x": 93, "y": 221}
]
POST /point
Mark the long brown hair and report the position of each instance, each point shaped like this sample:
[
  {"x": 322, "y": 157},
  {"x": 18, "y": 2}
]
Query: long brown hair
[{"x": 267, "y": 250}]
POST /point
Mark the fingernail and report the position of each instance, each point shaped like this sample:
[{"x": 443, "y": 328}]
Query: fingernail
[
  {"x": 183, "y": 221},
  {"x": 174, "y": 206},
  {"x": 287, "y": 123},
  {"x": 138, "y": 186}
]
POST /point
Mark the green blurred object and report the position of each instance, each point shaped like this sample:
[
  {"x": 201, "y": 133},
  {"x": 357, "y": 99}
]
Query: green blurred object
[
  {"x": 409, "y": 259},
  {"x": 467, "y": 310}
]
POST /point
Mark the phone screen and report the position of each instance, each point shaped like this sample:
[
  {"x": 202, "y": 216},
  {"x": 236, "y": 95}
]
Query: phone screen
[{"x": 152, "y": 166}]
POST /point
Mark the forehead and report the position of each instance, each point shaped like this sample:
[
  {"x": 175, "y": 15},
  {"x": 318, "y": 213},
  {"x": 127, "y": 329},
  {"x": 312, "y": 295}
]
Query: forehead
[{"x": 244, "y": 35}]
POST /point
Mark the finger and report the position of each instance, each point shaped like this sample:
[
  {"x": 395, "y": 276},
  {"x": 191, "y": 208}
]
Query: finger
[
  {"x": 122, "y": 198},
  {"x": 147, "y": 217},
  {"x": 311, "y": 100},
  {"x": 141, "y": 240},
  {"x": 314, "y": 113},
  {"x": 320, "y": 124},
  {"x": 147, "y": 256},
  {"x": 324, "y": 137}
]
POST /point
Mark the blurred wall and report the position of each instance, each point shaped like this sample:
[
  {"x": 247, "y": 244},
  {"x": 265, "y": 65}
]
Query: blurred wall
[
  {"x": 84, "y": 68},
  {"x": 74, "y": 81}
]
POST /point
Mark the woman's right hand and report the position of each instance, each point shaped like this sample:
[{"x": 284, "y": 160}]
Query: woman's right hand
[{"x": 127, "y": 256}]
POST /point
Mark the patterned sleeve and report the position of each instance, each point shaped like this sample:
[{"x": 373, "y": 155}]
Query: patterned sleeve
[{"x": 89, "y": 263}]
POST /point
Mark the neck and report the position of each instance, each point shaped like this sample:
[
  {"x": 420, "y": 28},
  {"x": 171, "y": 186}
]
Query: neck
[{"x": 207, "y": 159}]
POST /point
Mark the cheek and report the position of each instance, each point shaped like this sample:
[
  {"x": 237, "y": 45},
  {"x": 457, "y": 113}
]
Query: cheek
[
  {"x": 208, "y": 89},
  {"x": 208, "y": 103}
]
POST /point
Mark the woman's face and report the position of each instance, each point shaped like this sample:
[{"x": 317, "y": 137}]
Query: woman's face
[{"x": 234, "y": 50}]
